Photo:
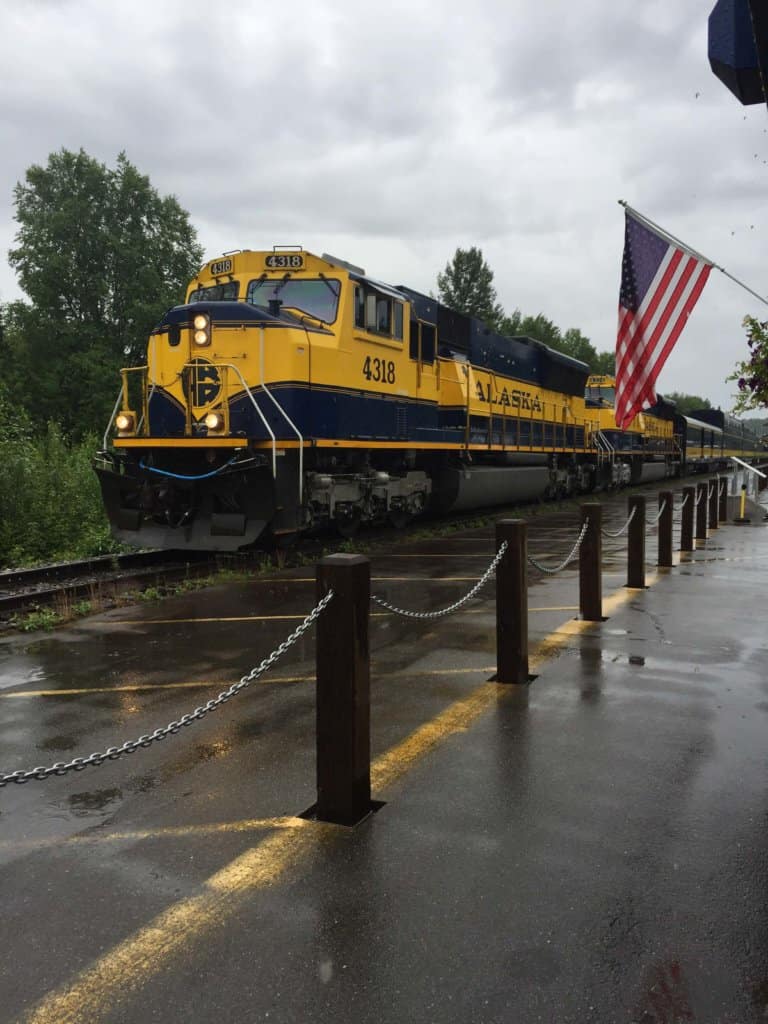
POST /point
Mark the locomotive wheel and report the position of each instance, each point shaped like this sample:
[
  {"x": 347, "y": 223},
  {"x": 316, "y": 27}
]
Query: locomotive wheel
[
  {"x": 399, "y": 519},
  {"x": 348, "y": 526}
]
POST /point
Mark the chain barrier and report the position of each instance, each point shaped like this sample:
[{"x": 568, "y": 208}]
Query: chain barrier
[
  {"x": 654, "y": 519},
  {"x": 451, "y": 607},
  {"x": 684, "y": 501},
  {"x": 618, "y": 533},
  {"x": 710, "y": 489},
  {"x": 550, "y": 571},
  {"x": 698, "y": 498},
  {"x": 113, "y": 753}
]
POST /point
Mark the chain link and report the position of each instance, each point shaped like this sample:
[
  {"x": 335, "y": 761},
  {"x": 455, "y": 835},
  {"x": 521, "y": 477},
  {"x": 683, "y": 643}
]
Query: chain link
[
  {"x": 113, "y": 753},
  {"x": 570, "y": 557},
  {"x": 654, "y": 519},
  {"x": 618, "y": 533},
  {"x": 451, "y": 607}
]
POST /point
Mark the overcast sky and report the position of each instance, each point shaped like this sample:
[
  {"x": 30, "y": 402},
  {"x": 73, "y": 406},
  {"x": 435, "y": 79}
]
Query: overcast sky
[{"x": 389, "y": 134}]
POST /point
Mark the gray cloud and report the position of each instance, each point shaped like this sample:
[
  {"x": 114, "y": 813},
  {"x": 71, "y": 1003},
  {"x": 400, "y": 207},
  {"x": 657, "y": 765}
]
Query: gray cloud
[{"x": 391, "y": 135}]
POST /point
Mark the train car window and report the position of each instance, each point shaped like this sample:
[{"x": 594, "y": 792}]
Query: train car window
[
  {"x": 413, "y": 347},
  {"x": 379, "y": 313},
  {"x": 601, "y": 396},
  {"x": 226, "y": 292},
  {"x": 427, "y": 343},
  {"x": 319, "y": 299},
  {"x": 384, "y": 316}
]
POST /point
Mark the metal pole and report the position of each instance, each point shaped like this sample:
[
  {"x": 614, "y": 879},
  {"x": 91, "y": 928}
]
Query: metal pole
[
  {"x": 701, "y": 512},
  {"x": 512, "y": 602},
  {"x": 343, "y": 691},
  {"x": 636, "y": 543},
  {"x": 686, "y": 525},
  {"x": 713, "y": 503},
  {"x": 665, "y": 529},
  {"x": 590, "y": 562},
  {"x": 722, "y": 483}
]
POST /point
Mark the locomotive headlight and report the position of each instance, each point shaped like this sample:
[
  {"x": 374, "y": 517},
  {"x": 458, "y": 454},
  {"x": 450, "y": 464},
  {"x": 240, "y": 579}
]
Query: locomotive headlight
[
  {"x": 214, "y": 421},
  {"x": 125, "y": 422},
  {"x": 202, "y": 330}
]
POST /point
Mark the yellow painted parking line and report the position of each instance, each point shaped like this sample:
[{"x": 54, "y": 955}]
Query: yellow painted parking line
[
  {"x": 122, "y": 971},
  {"x": 209, "y": 684},
  {"x": 377, "y": 579},
  {"x": 180, "y": 832},
  {"x": 278, "y": 618}
]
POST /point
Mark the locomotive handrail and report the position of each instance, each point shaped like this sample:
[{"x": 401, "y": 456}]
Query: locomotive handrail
[
  {"x": 105, "y": 440},
  {"x": 248, "y": 391},
  {"x": 285, "y": 415}
]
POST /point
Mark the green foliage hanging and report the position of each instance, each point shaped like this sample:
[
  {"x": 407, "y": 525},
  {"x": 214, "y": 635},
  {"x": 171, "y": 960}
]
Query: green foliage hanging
[{"x": 751, "y": 375}]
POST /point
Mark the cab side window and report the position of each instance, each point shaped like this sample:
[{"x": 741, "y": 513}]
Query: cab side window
[
  {"x": 377, "y": 313},
  {"x": 359, "y": 307}
]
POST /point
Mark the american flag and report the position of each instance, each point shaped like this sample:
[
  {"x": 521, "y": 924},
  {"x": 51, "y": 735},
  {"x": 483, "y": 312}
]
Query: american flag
[{"x": 660, "y": 284}]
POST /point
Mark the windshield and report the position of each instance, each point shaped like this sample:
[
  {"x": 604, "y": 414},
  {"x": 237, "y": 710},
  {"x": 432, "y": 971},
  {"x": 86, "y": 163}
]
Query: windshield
[
  {"x": 319, "y": 299},
  {"x": 601, "y": 396},
  {"x": 215, "y": 292}
]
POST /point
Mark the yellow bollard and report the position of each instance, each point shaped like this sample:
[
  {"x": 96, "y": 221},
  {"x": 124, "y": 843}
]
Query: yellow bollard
[{"x": 741, "y": 519}]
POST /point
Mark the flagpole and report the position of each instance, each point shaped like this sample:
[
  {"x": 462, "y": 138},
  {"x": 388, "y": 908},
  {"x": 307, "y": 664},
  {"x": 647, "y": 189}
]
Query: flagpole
[{"x": 676, "y": 241}]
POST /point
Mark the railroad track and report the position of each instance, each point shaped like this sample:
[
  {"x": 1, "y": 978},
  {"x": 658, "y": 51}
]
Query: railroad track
[{"x": 23, "y": 589}]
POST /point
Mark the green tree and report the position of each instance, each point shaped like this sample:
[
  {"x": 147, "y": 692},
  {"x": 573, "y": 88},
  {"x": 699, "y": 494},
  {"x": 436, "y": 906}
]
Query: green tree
[
  {"x": 466, "y": 285},
  {"x": 751, "y": 374},
  {"x": 605, "y": 364},
  {"x": 101, "y": 255},
  {"x": 579, "y": 346},
  {"x": 510, "y": 325},
  {"x": 687, "y": 403},
  {"x": 543, "y": 329}
]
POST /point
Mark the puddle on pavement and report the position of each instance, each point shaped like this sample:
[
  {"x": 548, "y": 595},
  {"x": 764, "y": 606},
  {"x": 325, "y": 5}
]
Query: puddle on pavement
[
  {"x": 95, "y": 800},
  {"x": 58, "y": 743}
]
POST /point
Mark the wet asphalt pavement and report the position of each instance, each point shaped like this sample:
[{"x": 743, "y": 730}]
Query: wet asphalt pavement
[{"x": 590, "y": 848}]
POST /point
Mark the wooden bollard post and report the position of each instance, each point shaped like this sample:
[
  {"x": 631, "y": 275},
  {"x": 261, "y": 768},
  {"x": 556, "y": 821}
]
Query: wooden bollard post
[
  {"x": 701, "y": 512},
  {"x": 722, "y": 483},
  {"x": 590, "y": 564},
  {"x": 666, "y": 500},
  {"x": 512, "y": 602},
  {"x": 713, "y": 503},
  {"x": 687, "y": 516},
  {"x": 636, "y": 542},
  {"x": 343, "y": 691}
]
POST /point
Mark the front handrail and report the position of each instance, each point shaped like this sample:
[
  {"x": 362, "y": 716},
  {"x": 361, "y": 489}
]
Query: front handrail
[
  {"x": 118, "y": 400},
  {"x": 284, "y": 414},
  {"x": 262, "y": 417}
]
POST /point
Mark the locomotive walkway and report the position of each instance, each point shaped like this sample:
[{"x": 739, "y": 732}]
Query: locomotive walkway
[{"x": 592, "y": 847}]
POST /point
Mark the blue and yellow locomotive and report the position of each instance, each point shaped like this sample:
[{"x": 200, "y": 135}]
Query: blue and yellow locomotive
[{"x": 293, "y": 391}]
